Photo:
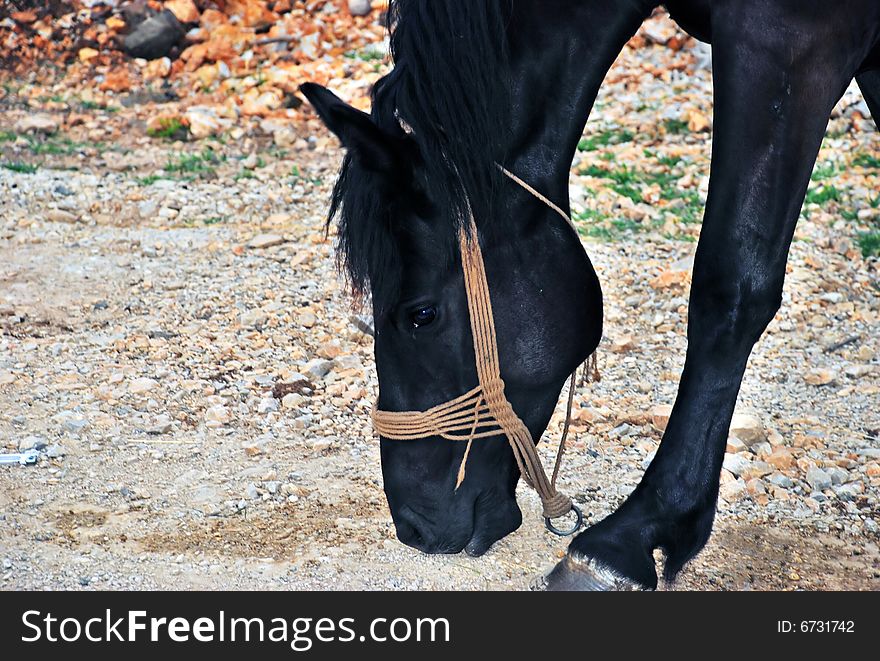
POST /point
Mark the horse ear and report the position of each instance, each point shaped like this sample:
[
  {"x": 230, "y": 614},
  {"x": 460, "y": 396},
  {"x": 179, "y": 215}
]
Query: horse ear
[{"x": 357, "y": 131}]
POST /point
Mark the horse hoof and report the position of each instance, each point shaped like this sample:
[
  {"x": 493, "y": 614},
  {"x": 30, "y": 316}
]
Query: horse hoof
[{"x": 575, "y": 573}]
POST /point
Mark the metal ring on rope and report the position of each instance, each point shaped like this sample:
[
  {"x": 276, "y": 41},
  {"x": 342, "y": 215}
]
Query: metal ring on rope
[{"x": 579, "y": 521}]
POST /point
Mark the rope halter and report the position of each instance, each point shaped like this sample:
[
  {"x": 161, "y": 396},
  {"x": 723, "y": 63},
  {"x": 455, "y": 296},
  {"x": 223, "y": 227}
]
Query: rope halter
[{"x": 484, "y": 411}]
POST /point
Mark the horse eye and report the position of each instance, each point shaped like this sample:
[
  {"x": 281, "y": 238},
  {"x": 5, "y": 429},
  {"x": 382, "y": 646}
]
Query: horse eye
[{"x": 424, "y": 316}]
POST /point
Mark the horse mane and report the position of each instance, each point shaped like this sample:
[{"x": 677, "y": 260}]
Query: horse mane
[{"x": 449, "y": 87}]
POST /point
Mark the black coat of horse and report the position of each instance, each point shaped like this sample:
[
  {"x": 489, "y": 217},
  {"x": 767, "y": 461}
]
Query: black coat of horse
[{"x": 477, "y": 82}]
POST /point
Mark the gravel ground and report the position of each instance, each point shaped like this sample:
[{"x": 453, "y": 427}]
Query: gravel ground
[{"x": 175, "y": 341}]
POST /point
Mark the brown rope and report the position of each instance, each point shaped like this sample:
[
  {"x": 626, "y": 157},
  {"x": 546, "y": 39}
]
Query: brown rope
[{"x": 484, "y": 411}]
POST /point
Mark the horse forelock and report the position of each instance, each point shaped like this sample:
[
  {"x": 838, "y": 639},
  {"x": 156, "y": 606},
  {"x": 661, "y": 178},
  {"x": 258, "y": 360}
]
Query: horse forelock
[{"x": 449, "y": 89}]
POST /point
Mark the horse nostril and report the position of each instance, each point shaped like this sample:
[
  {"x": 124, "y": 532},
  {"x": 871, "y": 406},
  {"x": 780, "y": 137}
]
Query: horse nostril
[{"x": 414, "y": 530}]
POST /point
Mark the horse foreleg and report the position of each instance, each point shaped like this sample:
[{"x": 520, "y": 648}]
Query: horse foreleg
[{"x": 773, "y": 97}]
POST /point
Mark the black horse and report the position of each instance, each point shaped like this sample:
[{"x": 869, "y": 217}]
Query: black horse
[{"x": 480, "y": 82}]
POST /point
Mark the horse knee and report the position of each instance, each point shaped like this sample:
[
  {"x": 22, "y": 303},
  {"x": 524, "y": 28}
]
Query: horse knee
[{"x": 728, "y": 317}]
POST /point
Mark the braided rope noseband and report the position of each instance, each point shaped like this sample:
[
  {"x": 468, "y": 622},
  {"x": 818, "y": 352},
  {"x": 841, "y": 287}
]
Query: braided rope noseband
[{"x": 484, "y": 411}]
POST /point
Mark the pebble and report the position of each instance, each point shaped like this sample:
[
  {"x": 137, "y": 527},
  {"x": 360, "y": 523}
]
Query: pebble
[
  {"x": 360, "y": 7},
  {"x": 142, "y": 385},
  {"x": 267, "y": 405},
  {"x": 37, "y": 123},
  {"x": 818, "y": 479},
  {"x": 736, "y": 464},
  {"x": 162, "y": 425},
  {"x": 55, "y": 451},
  {"x": 265, "y": 241},
  {"x": 292, "y": 400},
  {"x": 780, "y": 480},
  {"x": 317, "y": 368},
  {"x": 748, "y": 429},
  {"x": 253, "y": 319},
  {"x": 217, "y": 416},
  {"x": 61, "y": 216}
]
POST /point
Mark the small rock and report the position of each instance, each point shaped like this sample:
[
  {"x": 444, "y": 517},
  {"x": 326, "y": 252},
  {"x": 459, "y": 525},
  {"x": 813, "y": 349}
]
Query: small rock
[
  {"x": 307, "y": 319},
  {"x": 735, "y": 445},
  {"x": 303, "y": 421},
  {"x": 38, "y": 123},
  {"x": 61, "y": 216},
  {"x": 31, "y": 443},
  {"x": 733, "y": 490},
  {"x": 217, "y": 416},
  {"x": 75, "y": 424},
  {"x": 251, "y": 491},
  {"x": 748, "y": 429},
  {"x": 317, "y": 368},
  {"x": 780, "y": 480},
  {"x": 155, "y": 37},
  {"x": 292, "y": 400},
  {"x": 360, "y": 7},
  {"x": 348, "y": 362},
  {"x": 736, "y": 464},
  {"x": 148, "y": 209},
  {"x": 265, "y": 241},
  {"x": 837, "y": 475},
  {"x": 848, "y": 491},
  {"x": 330, "y": 349},
  {"x": 267, "y": 405},
  {"x": 55, "y": 451},
  {"x": 321, "y": 444},
  {"x": 185, "y": 10},
  {"x": 781, "y": 458},
  {"x": 252, "y": 319},
  {"x": 203, "y": 122},
  {"x": 142, "y": 385},
  {"x": 660, "y": 416},
  {"x": 254, "y": 449},
  {"x": 818, "y": 479},
  {"x": 162, "y": 425},
  {"x": 623, "y": 343},
  {"x": 819, "y": 377}
]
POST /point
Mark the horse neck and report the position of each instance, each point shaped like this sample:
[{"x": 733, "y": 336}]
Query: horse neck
[{"x": 558, "y": 64}]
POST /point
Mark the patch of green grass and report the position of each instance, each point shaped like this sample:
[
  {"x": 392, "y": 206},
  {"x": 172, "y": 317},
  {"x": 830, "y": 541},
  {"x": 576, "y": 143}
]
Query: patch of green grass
[
  {"x": 669, "y": 161},
  {"x": 869, "y": 242},
  {"x": 149, "y": 180},
  {"x": 244, "y": 174},
  {"x": 676, "y": 126},
  {"x": 88, "y": 104},
  {"x": 169, "y": 128},
  {"x": 849, "y": 214},
  {"x": 628, "y": 183},
  {"x": 596, "y": 225},
  {"x": 194, "y": 165},
  {"x": 604, "y": 139},
  {"x": 822, "y": 172},
  {"x": 8, "y": 136},
  {"x": 57, "y": 145},
  {"x": 867, "y": 161},
  {"x": 823, "y": 194},
  {"x": 687, "y": 238},
  {"x": 22, "y": 168},
  {"x": 213, "y": 220},
  {"x": 366, "y": 55}
]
